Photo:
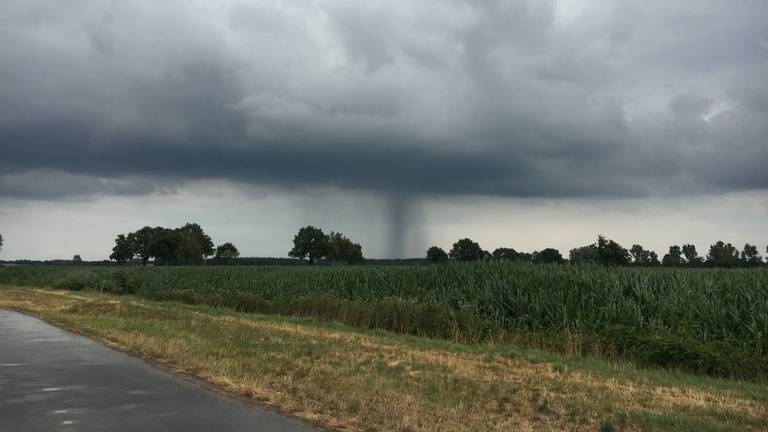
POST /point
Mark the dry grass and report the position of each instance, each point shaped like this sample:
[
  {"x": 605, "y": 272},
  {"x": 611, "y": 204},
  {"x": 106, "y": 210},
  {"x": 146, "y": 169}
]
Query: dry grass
[{"x": 362, "y": 381}]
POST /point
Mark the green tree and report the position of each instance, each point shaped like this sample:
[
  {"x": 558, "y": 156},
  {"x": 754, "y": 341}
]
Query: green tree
[
  {"x": 1, "y": 242},
  {"x": 164, "y": 246},
  {"x": 674, "y": 258},
  {"x": 505, "y": 254},
  {"x": 140, "y": 242},
  {"x": 750, "y": 257},
  {"x": 194, "y": 245},
  {"x": 611, "y": 253},
  {"x": 548, "y": 256},
  {"x": 188, "y": 250},
  {"x": 640, "y": 256},
  {"x": 342, "y": 250},
  {"x": 123, "y": 250},
  {"x": 436, "y": 255},
  {"x": 723, "y": 255},
  {"x": 226, "y": 252},
  {"x": 77, "y": 259},
  {"x": 643, "y": 257},
  {"x": 584, "y": 255},
  {"x": 691, "y": 256},
  {"x": 466, "y": 250},
  {"x": 310, "y": 243},
  {"x": 524, "y": 257}
]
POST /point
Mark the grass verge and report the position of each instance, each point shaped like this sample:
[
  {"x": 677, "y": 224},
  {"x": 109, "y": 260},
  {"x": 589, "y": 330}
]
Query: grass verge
[{"x": 365, "y": 380}]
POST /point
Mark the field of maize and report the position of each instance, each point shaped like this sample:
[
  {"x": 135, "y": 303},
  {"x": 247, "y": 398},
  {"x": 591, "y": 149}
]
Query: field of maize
[{"x": 708, "y": 320}]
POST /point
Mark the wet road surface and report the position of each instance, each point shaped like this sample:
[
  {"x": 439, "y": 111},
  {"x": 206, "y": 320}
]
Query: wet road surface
[{"x": 53, "y": 380}]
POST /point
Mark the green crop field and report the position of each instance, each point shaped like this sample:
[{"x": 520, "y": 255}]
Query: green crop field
[{"x": 712, "y": 321}]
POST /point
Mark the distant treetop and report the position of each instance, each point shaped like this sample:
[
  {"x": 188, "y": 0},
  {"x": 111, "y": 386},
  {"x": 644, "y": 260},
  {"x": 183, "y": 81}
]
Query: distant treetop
[
  {"x": 436, "y": 255},
  {"x": 466, "y": 250},
  {"x": 226, "y": 252}
]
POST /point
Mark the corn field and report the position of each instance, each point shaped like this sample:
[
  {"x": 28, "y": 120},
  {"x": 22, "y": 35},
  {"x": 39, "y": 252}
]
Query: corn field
[{"x": 729, "y": 305}]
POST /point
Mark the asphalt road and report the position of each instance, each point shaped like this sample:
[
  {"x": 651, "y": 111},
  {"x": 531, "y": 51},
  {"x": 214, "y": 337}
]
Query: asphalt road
[{"x": 53, "y": 380}]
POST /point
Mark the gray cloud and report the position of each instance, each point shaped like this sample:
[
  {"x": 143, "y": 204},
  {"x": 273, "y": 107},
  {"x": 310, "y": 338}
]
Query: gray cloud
[
  {"x": 45, "y": 184},
  {"x": 505, "y": 98}
]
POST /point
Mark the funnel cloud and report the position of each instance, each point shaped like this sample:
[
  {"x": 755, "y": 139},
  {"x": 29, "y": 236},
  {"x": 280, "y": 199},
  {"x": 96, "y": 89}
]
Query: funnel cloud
[{"x": 405, "y": 225}]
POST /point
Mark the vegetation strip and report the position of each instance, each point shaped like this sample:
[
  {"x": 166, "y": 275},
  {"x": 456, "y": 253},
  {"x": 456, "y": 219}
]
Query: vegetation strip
[
  {"x": 709, "y": 321},
  {"x": 354, "y": 380}
]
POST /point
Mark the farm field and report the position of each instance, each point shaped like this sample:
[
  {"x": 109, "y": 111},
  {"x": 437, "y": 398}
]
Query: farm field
[
  {"x": 707, "y": 321},
  {"x": 429, "y": 216},
  {"x": 353, "y": 379}
]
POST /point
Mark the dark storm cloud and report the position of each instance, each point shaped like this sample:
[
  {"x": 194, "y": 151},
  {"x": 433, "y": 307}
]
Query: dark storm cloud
[{"x": 507, "y": 98}]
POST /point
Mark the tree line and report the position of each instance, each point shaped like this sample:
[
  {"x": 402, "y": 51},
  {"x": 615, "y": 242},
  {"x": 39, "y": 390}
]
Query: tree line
[
  {"x": 607, "y": 252},
  {"x": 190, "y": 245},
  {"x": 186, "y": 245}
]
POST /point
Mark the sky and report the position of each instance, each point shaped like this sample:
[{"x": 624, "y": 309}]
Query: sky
[{"x": 518, "y": 123}]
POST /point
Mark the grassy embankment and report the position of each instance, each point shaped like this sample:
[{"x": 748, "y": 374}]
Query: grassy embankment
[
  {"x": 365, "y": 380},
  {"x": 709, "y": 321}
]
